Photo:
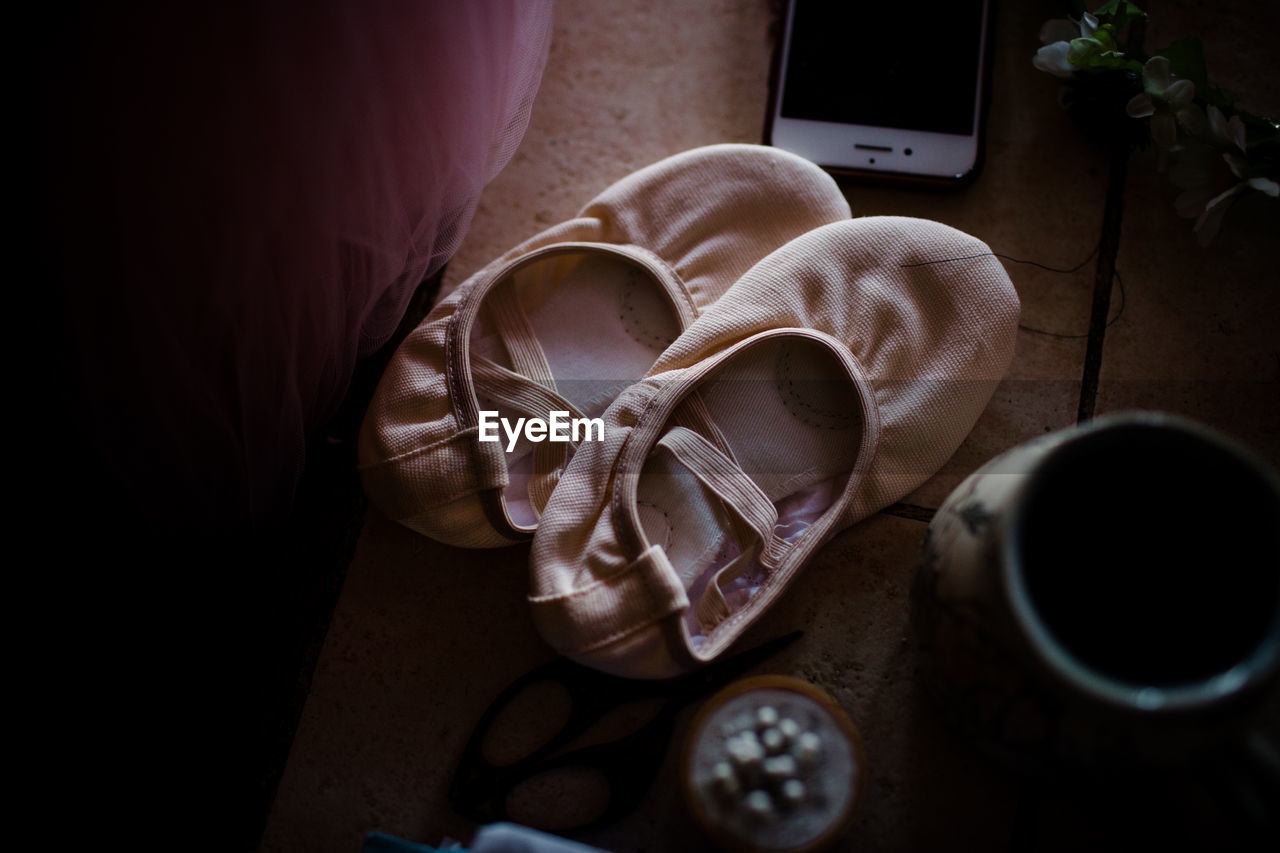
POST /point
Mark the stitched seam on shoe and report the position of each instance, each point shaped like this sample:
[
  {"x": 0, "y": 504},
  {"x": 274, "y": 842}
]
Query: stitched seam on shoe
[
  {"x": 770, "y": 586},
  {"x": 631, "y": 325},
  {"x": 436, "y": 504},
  {"x": 682, "y": 288},
  {"x": 459, "y": 402},
  {"x": 583, "y": 590},
  {"x": 811, "y": 415},
  {"x": 409, "y": 454},
  {"x": 620, "y": 472},
  {"x": 766, "y": 594},
  {"x": 618, "y": 635},
  {"x": 870, "y": 445},
  {"x": 666, "y": 516},
  {"x": 464, "y": 407}
]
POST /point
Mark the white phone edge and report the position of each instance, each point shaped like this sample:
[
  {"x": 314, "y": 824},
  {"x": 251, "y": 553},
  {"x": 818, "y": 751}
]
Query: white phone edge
[{"x": 867, "y": 148}]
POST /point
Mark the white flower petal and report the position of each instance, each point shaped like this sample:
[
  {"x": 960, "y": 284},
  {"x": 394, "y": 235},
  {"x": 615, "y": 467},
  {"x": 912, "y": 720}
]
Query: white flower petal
[
  {"x": 1180, "y": 93},
  {"x": 1235, "y": 132},
  {"x": 1211, "y": 219},
  {"x": 1265, "y": 185},
  {"x": 1192, "y": 119},
  {"x": 1223, "y": 198},
  {"x": 1237, "y": 163},
  {"x": 1140, "y": 106},
  {"x": 1088, "y": 25},
  {"x": 1217, "y": 124},
  {"x": 1156, "y": 76},
  {"x": 1052, "y": 59},
  {"x": 1191, "y": 204},
  {"x": 1207, "y": 225},
  {"x": 1164, "y": 130},
  {"x": 1058, "y": 29}
]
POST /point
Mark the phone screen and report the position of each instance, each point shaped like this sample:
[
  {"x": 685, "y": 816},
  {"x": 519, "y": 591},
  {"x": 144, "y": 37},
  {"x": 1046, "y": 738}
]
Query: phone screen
[{"x": 875, "y": 64}]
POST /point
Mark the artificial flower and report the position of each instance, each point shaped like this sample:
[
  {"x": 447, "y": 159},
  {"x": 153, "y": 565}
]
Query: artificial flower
[
  {"x": 1228, "y": 132},
  {"x": 1168, "y": 101},
  {"x": 1206, "y": 153},
  {"x": 1198, "y": 172},
  {"x": 1057, "y": 35},
  {"x": 1194, "y": 169},
  {"x": 1211, "y": 219}
]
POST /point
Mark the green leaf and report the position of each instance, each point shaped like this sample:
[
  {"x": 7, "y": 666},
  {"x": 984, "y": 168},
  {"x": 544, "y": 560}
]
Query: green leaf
[
  {"x": 1091, "y": 54},
  {"x": 1186, "y": 59},
  {"x": 1106, "y": 37},
  {"x": 1082, "y": 51},
  {"x": 1118, "y": 13}
]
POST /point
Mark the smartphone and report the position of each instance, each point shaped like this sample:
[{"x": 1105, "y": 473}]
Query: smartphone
[{"x": 873, "y": 89}]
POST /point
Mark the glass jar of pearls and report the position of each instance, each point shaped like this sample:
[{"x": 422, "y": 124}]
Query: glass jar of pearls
[{"x": 773, "y": 764}]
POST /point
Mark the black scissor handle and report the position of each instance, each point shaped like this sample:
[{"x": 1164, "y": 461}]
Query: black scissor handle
[{"x": 480, "y": 789}]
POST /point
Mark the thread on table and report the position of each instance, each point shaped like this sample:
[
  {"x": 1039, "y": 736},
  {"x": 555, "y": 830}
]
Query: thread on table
[{"x": 1067, "y": 270}]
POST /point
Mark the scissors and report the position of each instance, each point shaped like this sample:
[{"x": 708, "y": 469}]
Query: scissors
[{"x": 480, "y": 789}]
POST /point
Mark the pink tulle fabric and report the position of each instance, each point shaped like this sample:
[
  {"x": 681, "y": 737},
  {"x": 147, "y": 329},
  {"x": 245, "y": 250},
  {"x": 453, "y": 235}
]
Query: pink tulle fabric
[{"x": 252, "y": 193}]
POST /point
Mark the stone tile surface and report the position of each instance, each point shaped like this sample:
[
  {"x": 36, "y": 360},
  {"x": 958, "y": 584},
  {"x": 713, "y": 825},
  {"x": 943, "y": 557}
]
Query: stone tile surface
[
  {"x": 1199, "y": 333},
  {"x": 425, "y": 636},
  {"x": 624, "y": 86}
]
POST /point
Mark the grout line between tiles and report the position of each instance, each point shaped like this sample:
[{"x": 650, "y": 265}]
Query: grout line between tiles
[{"x": 1103, "y": 278}]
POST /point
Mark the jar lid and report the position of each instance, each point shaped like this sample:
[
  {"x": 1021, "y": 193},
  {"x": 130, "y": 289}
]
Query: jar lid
[{"x": 773, "y": 764}]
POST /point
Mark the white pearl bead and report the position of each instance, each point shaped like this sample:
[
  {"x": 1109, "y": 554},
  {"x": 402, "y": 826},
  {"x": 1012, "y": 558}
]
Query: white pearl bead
[
  {"x": 773, "y": 740},
  {"x": 808, "y": 748},
  {"x": 745, "y": 752},
  {"x": 780, "y": 766},
  {"x": 725, "y": 780},
  {"x": 759, "y": 804}
]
